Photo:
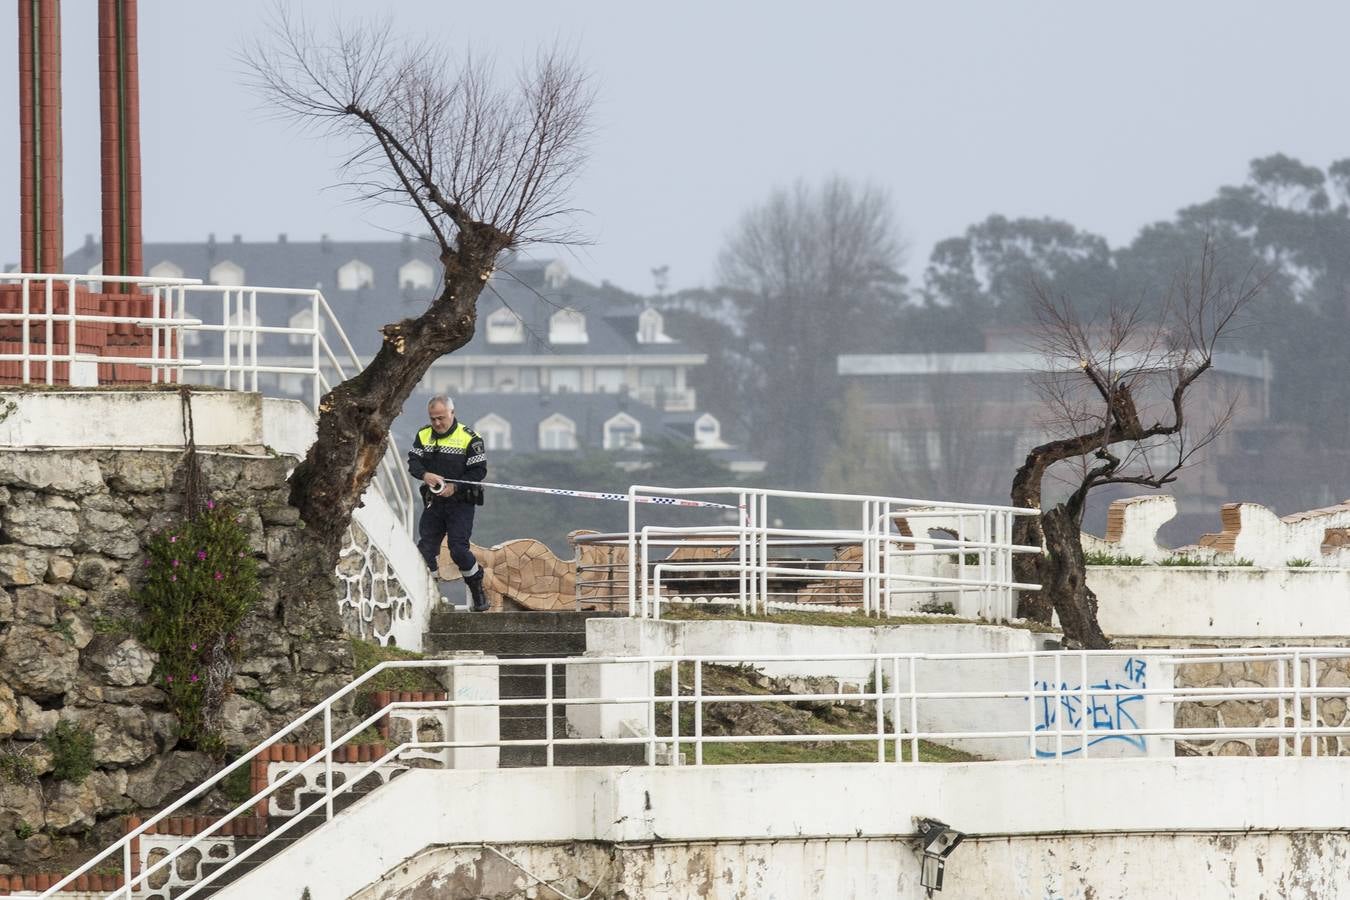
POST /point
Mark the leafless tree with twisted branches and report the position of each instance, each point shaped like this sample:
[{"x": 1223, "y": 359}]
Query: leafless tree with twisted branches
[
  {"x": 1119, "y": 396},
  {"x": 487, "y": 163}
]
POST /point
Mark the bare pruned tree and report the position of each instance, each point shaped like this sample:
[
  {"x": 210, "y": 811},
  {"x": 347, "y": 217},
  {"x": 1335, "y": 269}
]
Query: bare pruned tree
[
  {"x": 812, "y": 270},
  {"x": 487, "y": 163},
  {"x": 1119, "y": 396}
]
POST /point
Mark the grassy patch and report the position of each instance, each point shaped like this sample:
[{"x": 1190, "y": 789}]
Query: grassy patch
[
  {"x": 1299, "y": 563},
  {"x": 843, "y": 619},
  {"x": 737, "y": 754},
  {"x": 15, "y": 767},
  {"x": 366, "y": 656},
  {"x": 1183, "y": 560},
  {"x": 805, "y": 720},
  {"x": 236, "y": 787},
  {"x": 117, "y": 625},
  {"x": 1105, "y": 558}
]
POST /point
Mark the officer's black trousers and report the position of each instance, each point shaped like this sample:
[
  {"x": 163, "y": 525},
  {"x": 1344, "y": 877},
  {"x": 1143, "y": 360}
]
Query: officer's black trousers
[{"x": 446, "y": 519}]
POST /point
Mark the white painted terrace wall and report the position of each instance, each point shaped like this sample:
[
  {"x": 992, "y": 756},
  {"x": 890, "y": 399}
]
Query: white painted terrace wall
[
  {"x": 1222, "y": 602},
  {"x": 130, "y": 419},
  {"x": 644, "y": 637},
  {"x": 1118, "y": 820}
]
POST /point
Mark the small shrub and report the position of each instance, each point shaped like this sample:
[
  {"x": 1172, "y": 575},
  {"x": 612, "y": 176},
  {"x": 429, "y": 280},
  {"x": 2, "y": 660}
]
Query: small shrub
[
  {"x": 237, "y": 786},
  {"x": 200, "y": 582},
  {"x": 112, "y": 625},
  {"x": 932, "y": 607},
  {"x": 72, "y": 752},
  {"x": 23, "y": 831},
  {"x": 1242, "y": 561},
  {"x": 63, "y": 628},
  {"x": 15, "y": 767},
  {"x": 1180, "y": 559},
  {"x": 1299, "y": 563},
  {"x": 1105, "y": 558}
]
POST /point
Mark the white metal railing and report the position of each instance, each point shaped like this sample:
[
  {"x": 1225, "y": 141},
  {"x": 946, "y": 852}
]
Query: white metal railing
[
  {"x": 183, "y": 311},
  {"x": 911, "y": 695},
  {"x": 750, "y": 548}
]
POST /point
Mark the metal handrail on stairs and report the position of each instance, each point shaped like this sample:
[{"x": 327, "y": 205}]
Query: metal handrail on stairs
[{"x": 1026, "y": 682}]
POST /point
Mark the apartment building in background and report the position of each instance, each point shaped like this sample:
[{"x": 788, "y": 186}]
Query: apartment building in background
[{"x": 556, "y": 364}]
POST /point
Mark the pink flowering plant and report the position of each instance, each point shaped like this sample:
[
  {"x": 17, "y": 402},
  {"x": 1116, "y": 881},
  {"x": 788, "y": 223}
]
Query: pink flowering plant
[{"x": 200, "y": 581}]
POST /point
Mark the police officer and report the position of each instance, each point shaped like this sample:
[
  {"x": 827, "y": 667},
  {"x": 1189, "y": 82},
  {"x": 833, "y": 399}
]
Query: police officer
[{"x": 446, "y": 449}]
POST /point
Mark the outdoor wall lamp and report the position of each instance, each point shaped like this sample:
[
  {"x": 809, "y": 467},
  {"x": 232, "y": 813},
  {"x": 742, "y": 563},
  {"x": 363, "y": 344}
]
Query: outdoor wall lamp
[{"x": 937, "y": 840}]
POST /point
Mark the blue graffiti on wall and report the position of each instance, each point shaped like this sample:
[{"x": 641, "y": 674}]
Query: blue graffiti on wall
[{"x": 1100, "y": 711}]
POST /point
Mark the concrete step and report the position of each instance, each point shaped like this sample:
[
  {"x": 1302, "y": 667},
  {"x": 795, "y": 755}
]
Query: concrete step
[
  {"x": 531, "y": 728},
  {"x": 552, "y": 622},
  {"x": 514, "y": 683},
  {"x": 510, "y": 644},
  {"x": 574, "y": 755}
]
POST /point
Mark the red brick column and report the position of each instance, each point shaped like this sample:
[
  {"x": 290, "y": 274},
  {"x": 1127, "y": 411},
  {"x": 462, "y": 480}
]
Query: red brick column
[
  {"x": 40, "y": 135},
  {"x": 120, "y": 118}
]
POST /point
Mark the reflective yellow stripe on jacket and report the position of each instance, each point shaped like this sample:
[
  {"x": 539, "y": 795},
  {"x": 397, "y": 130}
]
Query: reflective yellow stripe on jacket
[{"x": 456, "y": 440}]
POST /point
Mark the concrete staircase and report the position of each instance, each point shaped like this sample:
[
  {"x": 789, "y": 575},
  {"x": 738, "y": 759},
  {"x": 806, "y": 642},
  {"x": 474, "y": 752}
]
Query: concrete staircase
[
  {"x": 519, "y": 635},
  {"x": 274, "y": 847}
]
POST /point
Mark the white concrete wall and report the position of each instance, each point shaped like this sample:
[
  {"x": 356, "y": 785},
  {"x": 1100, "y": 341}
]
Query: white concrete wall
[
  {"x": 129, "y": 419},
  {"x": 1222, "y": 602},
  {"x": 288, "y": 426},
  {"x": 1257, "y": 533},
  {"x": 1084, "y": 712},
  {"x": 1269, "y": 540},
  {"x": 1018, "y": 850},
  {"x": 1302, "y": 865}
]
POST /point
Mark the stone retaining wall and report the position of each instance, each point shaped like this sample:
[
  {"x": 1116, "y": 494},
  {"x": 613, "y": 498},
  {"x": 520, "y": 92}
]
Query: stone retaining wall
[
  {"x": 1234, "y": 713},
  {"x": 72, "y": 525}
]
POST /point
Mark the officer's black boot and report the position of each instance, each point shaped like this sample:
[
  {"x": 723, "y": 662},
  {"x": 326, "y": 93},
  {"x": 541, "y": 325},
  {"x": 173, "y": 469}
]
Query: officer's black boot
[{"x": 475, "y": 583}]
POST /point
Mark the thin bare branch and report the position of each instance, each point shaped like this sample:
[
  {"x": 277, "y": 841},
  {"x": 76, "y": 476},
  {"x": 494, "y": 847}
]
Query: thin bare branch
[{"x": 468, "y": 151}]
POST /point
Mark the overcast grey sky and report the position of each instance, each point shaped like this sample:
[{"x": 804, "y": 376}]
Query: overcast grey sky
[{"x": 1107, "y": 115}]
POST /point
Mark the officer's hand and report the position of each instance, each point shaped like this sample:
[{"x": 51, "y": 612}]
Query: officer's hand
[
  {"x": 433, "y": 480},
  {"x": 448, "y": 490}
]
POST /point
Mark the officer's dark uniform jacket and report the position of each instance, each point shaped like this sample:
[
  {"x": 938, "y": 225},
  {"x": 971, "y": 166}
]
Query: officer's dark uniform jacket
[{"x": 457, "y": 454}]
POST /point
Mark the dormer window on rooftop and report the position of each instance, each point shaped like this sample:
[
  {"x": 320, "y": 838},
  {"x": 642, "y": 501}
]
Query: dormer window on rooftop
[
  {"x": 567, "y": 326},
  {"x": 495, "y": 431},
  {"x": 557, "y": 432},
  {"x": 165, "y": 269},
  {"x": 707, "y": 431},
  {"x": 652, "y": 328},
  {"x": 504, "y": 327},
  {"x": 623, "y": 431},
  {"x": 355, "y": 275},
  {"x": 227, "y": 273},
  {"x": 556, "y": 275},
  {"x": 305, "y": 319},
  {"x": 415, "y": 275}
]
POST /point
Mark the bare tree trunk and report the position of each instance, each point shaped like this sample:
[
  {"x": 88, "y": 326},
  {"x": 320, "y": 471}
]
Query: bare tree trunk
[
  {"x": 1062, "y": 570},
  {"x": 355, "y": 417},
  {"x": 1064, "y": 577},
  {"x": 1026, "y": 493}
]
